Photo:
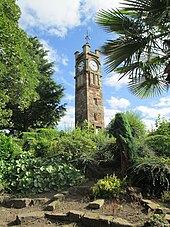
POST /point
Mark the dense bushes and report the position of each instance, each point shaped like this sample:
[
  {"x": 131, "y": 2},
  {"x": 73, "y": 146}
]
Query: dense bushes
[
  {"x": 109, "y": 187},
  {"x": 152, "y": 174},
  {"x": 22, "y": 172},
  {"x": 27, "y": 174},
  {"x": 160, "y": 144},
  {"x": 47, "y": 159}
]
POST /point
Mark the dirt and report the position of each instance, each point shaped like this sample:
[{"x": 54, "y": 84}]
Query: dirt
[{"x": 77, "y": 199}]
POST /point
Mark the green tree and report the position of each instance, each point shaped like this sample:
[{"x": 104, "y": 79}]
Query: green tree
[
  {"x": 141, "y": 49},
  {"x": 124, "y": 140},
  {"x": 47, "y": 110},
  {"x": 138, "y": 128},
  {"x": 159, "y": 139},
  {"x": 18, "y": 73}
]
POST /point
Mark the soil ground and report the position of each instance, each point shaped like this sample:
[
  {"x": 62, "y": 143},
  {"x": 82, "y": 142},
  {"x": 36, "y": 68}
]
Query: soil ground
[{"x": 75, "y": 200}]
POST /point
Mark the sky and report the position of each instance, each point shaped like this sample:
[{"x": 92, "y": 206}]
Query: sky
[{"x": 61, "y": 26}]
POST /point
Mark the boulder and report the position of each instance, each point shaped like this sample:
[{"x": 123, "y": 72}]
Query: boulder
[
  {"x": 17, "y": 203},
  {"x": 97, "y": 204}
]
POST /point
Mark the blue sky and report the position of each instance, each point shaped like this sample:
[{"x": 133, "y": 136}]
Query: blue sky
[{"x": 61, "y": 26}]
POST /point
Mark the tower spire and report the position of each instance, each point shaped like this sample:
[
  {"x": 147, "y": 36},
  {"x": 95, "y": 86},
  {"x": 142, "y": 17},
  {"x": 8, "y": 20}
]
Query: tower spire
[{"x": 87, "y": 38}]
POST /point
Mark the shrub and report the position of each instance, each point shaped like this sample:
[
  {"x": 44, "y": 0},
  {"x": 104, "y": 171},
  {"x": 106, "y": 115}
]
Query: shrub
[
  {"x": 27, "y": 174},
  {"x": 156, "y": 220},
  {"x": 39, "y": 141},
  {"x": 160, "y": 144},
  {"x": 76, "y": 147},
  {"x": 8, "y": 148},
  {"x": 152, "y": 173},
  {"x": 165, "y": 197},
  {"x": 109, "y": 187}
]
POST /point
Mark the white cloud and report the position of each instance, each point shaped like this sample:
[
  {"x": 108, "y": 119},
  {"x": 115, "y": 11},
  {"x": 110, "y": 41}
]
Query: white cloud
[
  {"x": 153, "y": 112},
  {"x": 165, "y": 101},
  {"x": 113, "y": 81},
  {"x": 109, "y": 115},
  {"x": 118, "y": 103},
  {"x": 68, "y": 121},
  {"x": 53, "y": 56},
  {"x": 53, "y": 15},
  {"x": 150, "y": 124},
  {"x": 57, "y": 17}
]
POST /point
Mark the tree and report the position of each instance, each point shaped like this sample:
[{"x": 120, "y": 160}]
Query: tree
[
  {"x": 124, "y": 140},
  {"x": 138, "y": 128},
  {"x": 141, "y": 51},
  {"x": 47, "y": 110},
  {"x": 18, "y": 72}
]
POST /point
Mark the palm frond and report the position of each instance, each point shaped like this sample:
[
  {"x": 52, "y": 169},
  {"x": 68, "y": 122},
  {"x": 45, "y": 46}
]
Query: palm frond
[
  {"x": 118, "y": 21},
  {"x": 154, "y": 10},
  {"x": 148, "y": 87},
  {"x": 120, "y": 50}
]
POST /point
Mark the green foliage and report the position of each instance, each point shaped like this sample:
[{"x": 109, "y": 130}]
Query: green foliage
[
  {"x": 8, "y": 148},
  {"x": 18, "y": 74},
  {"x": 165, "y": 197},
  {"x": 137, "y": 126},
  {"x": 22, "y": 172},
  {"x": 40, "y": 141},
  {"x": 124, "y": 140},
  {"x": 47, "y": 110},
  {"x": 27, "y": 174},
  {"x": 140, "y": 50},
  {"x": 156, "y": 220},
  {"x": 75, "y": 146},
  {"x": 152, "y": 174},
  {"x": 109, "y": 187},
  {"x": 160, "y": 144},
  {"x": 106, "y": 147},
  {"x": 162, "y": 127}
]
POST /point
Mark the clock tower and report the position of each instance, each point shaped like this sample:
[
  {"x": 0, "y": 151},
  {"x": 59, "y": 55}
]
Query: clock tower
[{"x": 88, "y": 88}]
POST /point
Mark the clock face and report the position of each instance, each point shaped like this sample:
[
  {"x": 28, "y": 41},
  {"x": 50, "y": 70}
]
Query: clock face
[
  {"x": 93, "y": 65},
  {"x": 80, "y": 66}
]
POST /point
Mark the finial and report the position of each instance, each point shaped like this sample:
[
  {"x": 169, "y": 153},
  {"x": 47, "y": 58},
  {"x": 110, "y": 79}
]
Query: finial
[{"x": 87, "y": 38}]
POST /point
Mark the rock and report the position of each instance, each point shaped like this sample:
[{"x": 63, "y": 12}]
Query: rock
[
  {"x": 167, "y": 217},
  {"x": 17, "y": 203},
  {"x": 26, "y": 217},
  {"x": 97, "y": 204},
  {"x": 39, "y": 201},
  {"x": 121, "y": 222},
  {"x": 53, "y": 205},
  {"x": 134, "y": 194},
  {"x": 59, "y": 196},
  {"x": 75, "y": 216},
  {"x": 57, "y": 216}
]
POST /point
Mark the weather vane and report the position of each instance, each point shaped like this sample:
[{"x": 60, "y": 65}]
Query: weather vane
[{"x": 87, "y": 38}]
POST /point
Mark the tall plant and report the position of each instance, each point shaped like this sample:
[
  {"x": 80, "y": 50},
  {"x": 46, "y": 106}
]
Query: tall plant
[{"x": 124, "y": 140}]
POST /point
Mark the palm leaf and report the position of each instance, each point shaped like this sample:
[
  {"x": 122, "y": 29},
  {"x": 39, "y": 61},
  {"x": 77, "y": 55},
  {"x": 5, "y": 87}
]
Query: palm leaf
[
  {"x": 120, "y": 50},
  {"x": 118, "y": 21}
]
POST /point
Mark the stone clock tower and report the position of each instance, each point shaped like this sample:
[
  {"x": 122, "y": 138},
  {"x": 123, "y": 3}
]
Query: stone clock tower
[{"x": 88, "y": 88}]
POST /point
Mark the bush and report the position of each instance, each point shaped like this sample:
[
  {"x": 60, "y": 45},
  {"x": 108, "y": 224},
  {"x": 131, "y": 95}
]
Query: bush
[
  {"x": 27, "y": 174},
  {"x": 152, "y": 174},
  {"x": 109, "y": 187},
  {"x": 39, "y": 141},
  {"x": 8, "y": 148},
  {"x": 76, "y": 147},
  {"x": 160, "y": 144},
  {"x": 165, "y": 197},
  {"x": 156, "y": 220}
]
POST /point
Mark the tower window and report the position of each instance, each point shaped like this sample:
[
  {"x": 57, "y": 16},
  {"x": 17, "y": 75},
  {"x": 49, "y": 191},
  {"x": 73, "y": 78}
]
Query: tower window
[
  {"x": 95, "y": 101},
  {"x": 94, "y": 81},
  {"x": 95, "y": 116}
]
